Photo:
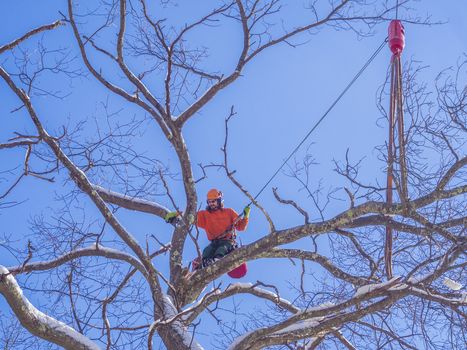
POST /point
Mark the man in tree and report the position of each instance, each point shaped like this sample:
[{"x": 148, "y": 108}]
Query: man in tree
[
  {"x": 220, "y": 225},
  {"x": 167, "y": 72}
]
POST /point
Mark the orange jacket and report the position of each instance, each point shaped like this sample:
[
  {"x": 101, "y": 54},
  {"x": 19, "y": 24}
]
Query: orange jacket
[{"x": 215, "y": 223}]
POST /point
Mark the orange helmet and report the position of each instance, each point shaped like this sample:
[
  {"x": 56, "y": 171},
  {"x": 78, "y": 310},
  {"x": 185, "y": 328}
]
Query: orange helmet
[{"x": 214, "y": 194}]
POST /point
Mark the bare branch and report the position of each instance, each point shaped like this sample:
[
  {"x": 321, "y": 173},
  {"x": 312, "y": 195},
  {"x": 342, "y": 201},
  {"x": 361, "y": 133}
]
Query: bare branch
[
  {"x": 115, "y": 89},
  {"x": 29, "y": 34},
  {"x": 94, "y": 250},
  {"x": 292, "y": 203},
  {"x": 323, "y": 261},
  {"x": 230, "y": 173}
]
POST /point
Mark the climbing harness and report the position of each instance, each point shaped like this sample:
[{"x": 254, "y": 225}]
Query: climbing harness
[
  {"x": 230, "y": 232},
  {"x": 396, "y": 41}
]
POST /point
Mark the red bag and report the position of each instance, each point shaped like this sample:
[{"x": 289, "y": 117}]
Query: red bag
[{"x": 238, "y": 272}]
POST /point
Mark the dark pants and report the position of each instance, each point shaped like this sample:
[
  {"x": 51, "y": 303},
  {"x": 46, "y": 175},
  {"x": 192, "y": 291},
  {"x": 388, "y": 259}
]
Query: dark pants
[
  {"x": 218, "y": 248},
  {"x": 215, "y": 250}
]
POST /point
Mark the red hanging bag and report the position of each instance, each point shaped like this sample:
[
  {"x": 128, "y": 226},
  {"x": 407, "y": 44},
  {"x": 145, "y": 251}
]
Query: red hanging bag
[{"x": 239, "y": 271}]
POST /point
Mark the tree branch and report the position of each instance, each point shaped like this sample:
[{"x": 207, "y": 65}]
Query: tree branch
[
  {"x": 321, "y": 260},
  {"x": 93, "y": 250},
  {"x": 38, "y": 323},
  {"x": 26, "y": 36},
  {"x": 131, "y": 203},
  {"x": 115, "y": 89}
]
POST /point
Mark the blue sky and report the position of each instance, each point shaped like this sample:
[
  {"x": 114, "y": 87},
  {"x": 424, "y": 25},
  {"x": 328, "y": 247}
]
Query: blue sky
[{"x": 280, "y": 96}]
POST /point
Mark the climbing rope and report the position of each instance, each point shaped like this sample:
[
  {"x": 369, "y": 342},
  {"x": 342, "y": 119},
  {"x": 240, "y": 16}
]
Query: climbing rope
[
  {"x": 396, "y": 121},
  {"x": 354, "y": 79}
]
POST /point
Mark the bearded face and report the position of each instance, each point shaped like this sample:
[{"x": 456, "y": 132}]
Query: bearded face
[{"x": 213, "y": 204}]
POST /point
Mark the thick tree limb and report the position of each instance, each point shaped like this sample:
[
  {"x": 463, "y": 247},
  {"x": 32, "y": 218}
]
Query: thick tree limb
[
  {"x": 172, "y": 333},
  {"x": 83, "y": 182},
  {"x": 131, "y": 203},
  {"x": 37, "y": 322},
  {"x": 316, "y": 320},
  {"x": 347, "y": 218}
]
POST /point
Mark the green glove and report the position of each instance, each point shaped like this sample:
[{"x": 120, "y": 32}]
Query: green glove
[
  {"x": 246, "y": 212},
  {"x": 171, "y": 217}
]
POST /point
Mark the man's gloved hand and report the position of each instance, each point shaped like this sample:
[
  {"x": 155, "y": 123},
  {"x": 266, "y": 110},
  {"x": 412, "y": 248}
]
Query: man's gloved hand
[
  {"x": 172, "y": 217},
  {"x": 246, "y": 212}
]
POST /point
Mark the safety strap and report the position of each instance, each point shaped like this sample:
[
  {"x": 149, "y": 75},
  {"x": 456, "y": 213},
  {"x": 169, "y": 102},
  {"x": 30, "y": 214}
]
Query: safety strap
[{"x": 231, "y": 229}]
